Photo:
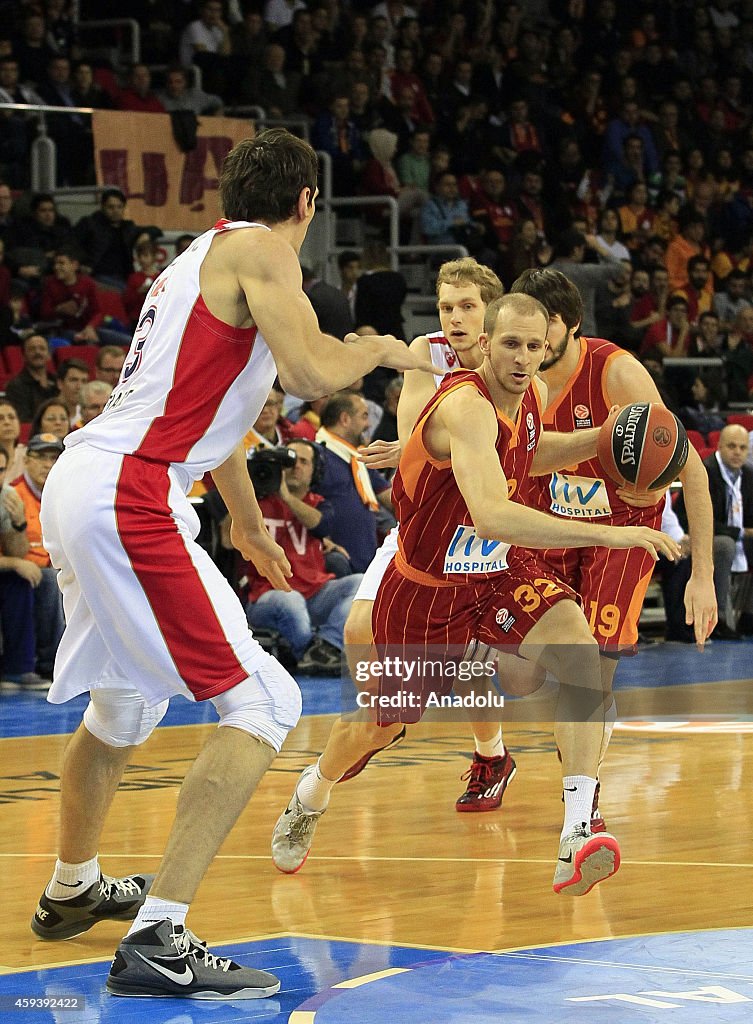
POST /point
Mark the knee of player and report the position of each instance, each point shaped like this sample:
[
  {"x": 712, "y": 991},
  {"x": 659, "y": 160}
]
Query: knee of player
[
  {"x": 121, "y": 718},
  {"x": 266, "y": 704},
  {"x": 573, "y": 653}
]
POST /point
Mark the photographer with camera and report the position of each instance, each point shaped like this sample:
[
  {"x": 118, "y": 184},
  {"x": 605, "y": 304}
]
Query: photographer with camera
[{"x": 312, "y": 615}]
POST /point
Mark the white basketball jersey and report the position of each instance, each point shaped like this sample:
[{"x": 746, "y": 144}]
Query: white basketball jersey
[
  {"x": 443, "y": 354},
  {"x": 191, "y": 386}
]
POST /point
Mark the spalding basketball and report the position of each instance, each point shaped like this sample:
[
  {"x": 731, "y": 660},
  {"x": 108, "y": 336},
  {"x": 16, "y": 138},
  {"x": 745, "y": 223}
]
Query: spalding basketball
[{"x": 643, "y": 446}]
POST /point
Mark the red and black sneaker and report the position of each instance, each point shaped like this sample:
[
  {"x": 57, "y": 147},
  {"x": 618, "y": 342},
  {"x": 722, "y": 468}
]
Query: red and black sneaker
[
  {"x": 361, "y": 763},
  {"x": 597, "y": 823},
  {"x": 488, "y": 778}
]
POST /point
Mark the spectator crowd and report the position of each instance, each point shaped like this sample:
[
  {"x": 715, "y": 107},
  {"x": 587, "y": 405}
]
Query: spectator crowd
[{"x": 613, "y": 141}]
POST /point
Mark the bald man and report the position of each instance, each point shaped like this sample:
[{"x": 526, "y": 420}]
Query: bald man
[{"x": 731, "y": 488}]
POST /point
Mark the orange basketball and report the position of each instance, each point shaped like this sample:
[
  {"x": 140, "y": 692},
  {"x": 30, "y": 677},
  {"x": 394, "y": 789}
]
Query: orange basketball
[{"x": 643, "y": 446}]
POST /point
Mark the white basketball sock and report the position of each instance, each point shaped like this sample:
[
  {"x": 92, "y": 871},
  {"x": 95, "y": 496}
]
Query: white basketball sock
[
  {"x": 313, "y": 789},
  {"x": 154, "y": 909},
  {"x": 491, "y": 748},
  {"x": 578, "y": 791},
  {"x": 69, "y": 880}
]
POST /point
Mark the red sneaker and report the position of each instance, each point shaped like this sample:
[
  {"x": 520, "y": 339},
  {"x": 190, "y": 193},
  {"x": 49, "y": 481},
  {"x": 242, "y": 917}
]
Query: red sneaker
[
  {"x": 597, "y": 823},
  {"x": 359, "y": 766},
  {"x": 488, "y": 778}
]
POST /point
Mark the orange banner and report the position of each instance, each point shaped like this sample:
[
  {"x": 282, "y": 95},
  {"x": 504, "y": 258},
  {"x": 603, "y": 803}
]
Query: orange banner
[{"x": 176, "y": 191}]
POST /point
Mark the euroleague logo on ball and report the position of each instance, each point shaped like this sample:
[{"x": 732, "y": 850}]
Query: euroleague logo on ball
[{"x": 661, "y": 436}]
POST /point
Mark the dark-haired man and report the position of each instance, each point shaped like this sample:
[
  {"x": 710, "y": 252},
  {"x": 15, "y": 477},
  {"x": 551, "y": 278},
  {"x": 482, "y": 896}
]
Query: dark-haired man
[
  {"x": 33, "y": 384},
  {"x": 199, "y": 369},
  {"x": 354, "y": 491},
  {"x": 585, "y": 377},
  {"x": 108, "y": 239},
  {"x": 71, "y": 297}
]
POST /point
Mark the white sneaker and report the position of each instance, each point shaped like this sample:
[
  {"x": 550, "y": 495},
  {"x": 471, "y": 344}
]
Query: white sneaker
[
  {"x": 294, "y": 833},
  {"x": 585, "y": 858}
]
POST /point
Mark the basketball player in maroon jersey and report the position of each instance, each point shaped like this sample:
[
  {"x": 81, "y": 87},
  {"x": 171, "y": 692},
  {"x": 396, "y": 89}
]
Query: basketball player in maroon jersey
[
  {"x": 464, "y": 289},
  {"x": 473, "y": 445},
  {"x": 584, "y": 378}
]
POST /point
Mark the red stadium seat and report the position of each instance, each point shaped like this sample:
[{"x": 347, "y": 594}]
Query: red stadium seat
[
  {"x": 697, "y": 439},
  {"x": 88, "y": 353},
  {"x": 705, "y": 452},
  {"x": 111, "y": 304},
  {"x": 743, "y": 418},
  {"x": 105, "y": 78},
  {"x": 713, "y": 439},
  {"x": 13, "y": 359},
  {"x": 24, "y": 433}
]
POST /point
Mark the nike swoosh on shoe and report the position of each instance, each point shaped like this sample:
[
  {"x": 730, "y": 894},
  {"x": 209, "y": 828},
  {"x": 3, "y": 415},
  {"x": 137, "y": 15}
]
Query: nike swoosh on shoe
[{"x": 186, "y": 978}]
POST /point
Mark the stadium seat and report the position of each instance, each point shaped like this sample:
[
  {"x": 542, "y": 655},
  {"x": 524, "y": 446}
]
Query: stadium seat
[
  {"x": 13, "y": 359},
  {"x": 697, "y": 439},
  {"x": 25, "y": 433},
  {"x": 88, "y": 353},
  {"x": 111, "y": 304},
  {"x": 105, "y": 78},
  {"x": 713, "y": 439},
  {"x": 744, "y": 419}
]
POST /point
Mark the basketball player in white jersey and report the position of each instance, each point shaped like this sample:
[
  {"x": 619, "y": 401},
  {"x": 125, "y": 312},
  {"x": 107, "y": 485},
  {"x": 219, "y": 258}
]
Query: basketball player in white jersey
[
  {"x": 148, "y": 613},
  {"x": 464, "y": 289}
]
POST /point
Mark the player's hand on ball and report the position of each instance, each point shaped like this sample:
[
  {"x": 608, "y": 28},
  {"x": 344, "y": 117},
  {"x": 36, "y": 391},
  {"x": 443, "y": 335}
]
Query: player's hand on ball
[
  {"x": 653, "y": 541},
  {"x": 268, "y": 558},
  {"x": 380, "y": 454}
]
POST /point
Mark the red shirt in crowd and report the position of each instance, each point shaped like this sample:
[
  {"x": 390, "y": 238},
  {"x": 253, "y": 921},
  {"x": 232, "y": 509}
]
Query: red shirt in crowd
[
  {"x": 303, "y": 550},
  {"x": 83, "y": 292},
  {"x": 133, "y": 297}
]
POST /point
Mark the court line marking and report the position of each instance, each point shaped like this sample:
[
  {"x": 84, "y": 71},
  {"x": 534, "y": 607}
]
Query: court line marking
[
  {"x": 309, "y": 1017},
  {"x": 102, "y": 960},
  {"x": 521, "y": 952},
  {"x": 4, "y": 969},
  {"x": 623, "y": 966},
  {"x": 376, "y": 976},
  {"x": 385, "y": 942},
  {"x": 418, "y": 860}
]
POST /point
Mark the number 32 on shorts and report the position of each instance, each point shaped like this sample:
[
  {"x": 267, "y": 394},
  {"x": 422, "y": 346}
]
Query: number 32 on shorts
[{"x": 528, "y": 597}]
